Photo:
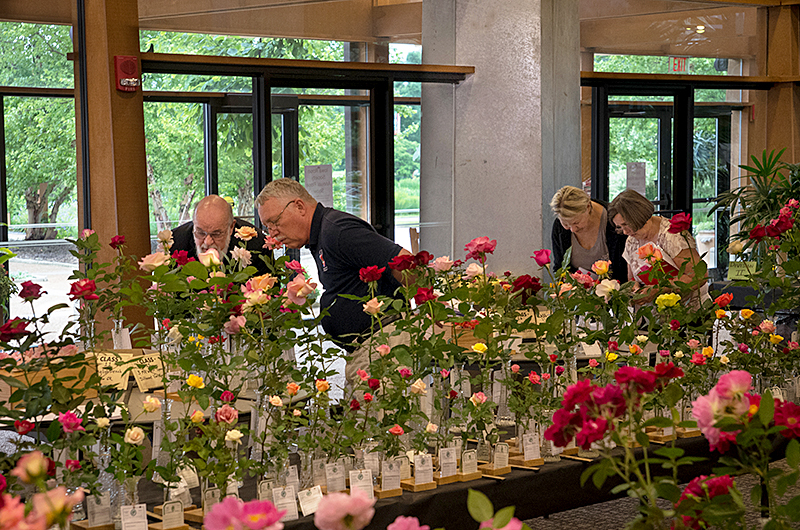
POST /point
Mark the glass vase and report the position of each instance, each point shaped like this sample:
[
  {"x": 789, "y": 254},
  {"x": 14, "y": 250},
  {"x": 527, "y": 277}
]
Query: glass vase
[
  {"x": 548, "y": 451},
  {"x": 127, "y": 495}
]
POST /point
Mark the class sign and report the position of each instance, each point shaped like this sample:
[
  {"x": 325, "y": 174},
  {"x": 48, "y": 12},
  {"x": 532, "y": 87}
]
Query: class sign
[{"x": 679, "y": 65}]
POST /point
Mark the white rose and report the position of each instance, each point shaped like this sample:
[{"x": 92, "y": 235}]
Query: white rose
[
  {"x": 418, "y": 387},
  {"x": 431, "y": 428},
  {"x": 152, "y": 261},
  {"x": 151, "y": 404},
  {"x": 242, "y": 255},
  {"x": 174, "y": 335},
  {"x": 102, "y": 422},
  {"x": 209, "y": 257},
  {"x": 605, "y": 288},
  {"x": 134, "y": 435},
  {"x": 165, "y": 238},
  {"x": 234, "y": 436}
]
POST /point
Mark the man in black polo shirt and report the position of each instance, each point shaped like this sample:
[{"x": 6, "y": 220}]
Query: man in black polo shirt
[
  {"x": 214, "y": 226},
  {"x": 342, "y": 244}
]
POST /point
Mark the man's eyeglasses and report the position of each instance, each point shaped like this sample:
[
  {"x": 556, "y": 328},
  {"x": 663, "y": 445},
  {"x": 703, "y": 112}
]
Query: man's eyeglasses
[
  {"x": 273, "y": 224},
  {"x": 215, "y": 235}
]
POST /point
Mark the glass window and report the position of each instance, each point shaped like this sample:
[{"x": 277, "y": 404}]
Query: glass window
[{"x": 35, "y": 55}]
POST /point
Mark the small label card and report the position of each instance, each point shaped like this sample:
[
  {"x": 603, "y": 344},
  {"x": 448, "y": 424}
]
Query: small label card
[
  {"x": 291, "y": 477},
  {"x": 448, "y": 461},
  {"x": 423, "y": 469},
  {"x": 669, "y": 431},
  {"x": 147, "y": 371},
  {"x": 211, "y": 497},
  {"x": 405, "y": 467},
  {"x": 469, "y": 461},
  {"x": 284, "y": 499},
  {"x": 484, "y": 452},
  {"x": 530, "y": 446},
  {"x": 233, "y": 488},
  {"x": 335, "y": 477},
  {"x": 134, "y": 517},
  {"x": 99, "y": 509},
  {"x": 457, "y": 444},
  {"x": 265, "y": 488},
  {"x": 309, "y": 500},
  {"x": 390, "y": 477},
  {"x": 318, "y": 468},
  {"x": 158, "y": 435},
  {"x": 500, "y": 455},
  {"x": 362, "y": 479},
  {"x": 190, "y": 476},
  {"x": 172, "y": 514},
  {"x": 372, "y": 461}
]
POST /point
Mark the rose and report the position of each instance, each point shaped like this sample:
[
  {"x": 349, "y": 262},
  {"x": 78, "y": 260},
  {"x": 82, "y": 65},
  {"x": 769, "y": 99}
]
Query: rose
[
  {"x": 442, "y": 264},
  {"x": 534, "y": 378},
  {"x": 600, "y": 267},
  {"x": 264, "y": 282},
  {"x": 424, "y": 295},
  {"x": 13, "y": 329},
  {"x": 514, "y": 368},
  {"x": 542, "y": 257},
  {"x": 406, "y": 523},
  {"x": 479, "y": 247},
  {"x": 402, "y": 262},
  {"x": 83, "y": 288},
  {"x": 736, "y": 247},
  {"x": 70, "y": 422},
  {"x": 233, "y": 437},
  {"x": 605, "y": 288},
  {"x": 373, "y": 306},
  {"x": 322, "y": 385},
  {"x": 235, "y": 324},
  {"x": 767, "y": 326},
  {"x": 298, "y": 289},
  {"x": 698, "y": 359},
  {"x": 679, "y": 223},
  {"x": 181, "y": 258},
  {"x": 473, "y": 270},
  {"x": 276, "y": 401},
  {"x": 228, "y": 414},
  {"x": 134, "y": 436},
  {"x": 153, "y": 261},
  {"x": 362, "y": 375},
  {"x": 384, "y": 350},
  {"x": 355, "y": 405},
  {"x": 102, "y": 423},
  {"x": 197, "y": 416},
  {"x": 418, "y": 387},
  {"x": 757, "y": 233},
  {"x": 117, "y": 242},
  {"x": 708, "y": 351},
  {"x": 723, "y": 300},
  {"x": 31, "y": 467},
  {"x": 233, "y": 513},
  {"x": 611, "y": 356},
  {"x": 371, "y": 273},
  {"x": 242, "y": 255},
  {"x": 339, "y": 511},
  {"x": 210, "y": 258},
  {"x": 559, "y": 370},
  {"x": 86, "y": 233},
  {"x": 396, "y": 430},
  {"x": 292, "y": 389},
  {"x": 374, "y": 384},
  {"x": 23, "y": 427},
  {"x": 72, "y": 465},
  {"x": 431, "y": 428},
  {"x": 746, "y": 313},
  {"x": 405, "y": 373},
  {"x": 151, "y": 404},
  {"x": 593, "y": 363},
  {"x": 479, "y": 347},
  {"x": 667, "y": 300},
  {"x": 30, "y": 291},
  {"x": 529, "y": 285},
  {"x": 444, "y": 373},
  {"x": 367, "y": 397},
  {"x": 246, "y": 233},
  {"x": 195, "y": 381},
  {"x": 227, "y": 396},
  {"x": 270, "y": 243},
  {"x": 478, "y": 398}
]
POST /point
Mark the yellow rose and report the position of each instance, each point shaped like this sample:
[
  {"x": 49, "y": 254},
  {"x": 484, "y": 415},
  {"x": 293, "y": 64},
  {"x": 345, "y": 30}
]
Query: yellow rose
[
  {"x": 775, "y": 339},
  {"x": 611, "y": 356},
  {"x": 197, "y": 416},
  {"x": 418, "y": 387},
  {"x": 234, "y": 436},
  {"x": 746, "y": 313},
  {"x": 480, "y": 347},
  {"x": 667, "y": 300},
  {"x": 195, "y": 381},
  {"x": 736, "y": 247},
  {"x": 134, "y": 436},
  {"x": 151, "y": 404},
  {"x": 246, "y": 233},
  {"x": 721, "y": 313},
  {"x": 678, "y": 354},
  {"x": 724, "y": 359},
  {"x": 102, "y": 423},
  {"x": 708, "y": 351},
  {"x": 641, "y": 338},
  {"x": 600, "y": 267}
]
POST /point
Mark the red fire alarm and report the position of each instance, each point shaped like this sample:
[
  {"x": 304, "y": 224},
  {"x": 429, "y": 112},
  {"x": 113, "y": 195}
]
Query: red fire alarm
[{"x": 126, "y": 68}]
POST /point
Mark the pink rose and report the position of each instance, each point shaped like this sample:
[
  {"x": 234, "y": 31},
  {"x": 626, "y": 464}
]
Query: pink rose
[
  {"x": 235, "y": 324},
  {"x": 70, "y": 422},
  {"x": 542, "y": 257},
  {"x": 444, "y": 373},
  {"x": 479, "y": 247},
  {"x": 298, "y": 289},
  {"x": 383, "y": 350},
  {"x": 593, "y": 363},
  {"x": 227, "y": 396},
  {"x": 396, "y": 430},
  {"x": 767, "y": 326},
  {"x": 478, "y": 398},
  {"x": 515, "y": 368},
  {"x": 339, "y": 511},
  {"x": 31, "y": 467},
  {"x": 407, "y": 523},
  {"x": 442, "y": 264},
  {"x": 152, "y": 261},
  {"x": 270, "y": 243},
  {"x": 362, "y": 375},
  {"x": 473, "y": 269},
  {"x": 734, "y": 384},
  {"x": 227, "y": 414},
  {"x": 405, "y": 373},
  {"x": 513, "y": 524}
]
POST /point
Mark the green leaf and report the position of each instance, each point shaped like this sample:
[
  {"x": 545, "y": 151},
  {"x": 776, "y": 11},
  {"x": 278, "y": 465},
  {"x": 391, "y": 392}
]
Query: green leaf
[
  {"x": 503, "y": 517},
  {"x": 793, "y": 454},
  {"x": 479, "y": 506},
  {"x": 672, "y": 394},
  {"x": 669, "y": 491},
  {"x": 658, "y": 421},
  {"x": 670, "y": 452},
  {"x": 619, "y": 487},
  {"x": 767, "y": 408},
  {"x": 53, "y": 431}
]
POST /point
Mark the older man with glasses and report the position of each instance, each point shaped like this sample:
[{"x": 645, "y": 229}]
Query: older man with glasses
[
  {"x": 341, "y": 244},
  {"x": 214, "y": 226}
]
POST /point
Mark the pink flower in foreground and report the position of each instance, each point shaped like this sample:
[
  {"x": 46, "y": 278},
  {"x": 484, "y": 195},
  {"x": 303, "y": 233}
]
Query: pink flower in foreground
[
  {"x": 734, "y": 384},
  {"x": 31, "y": 467},
  {"x": 253, "y": 515},
  {"x": 513, "y": 524},
  {"x": 339, "y": 511},
  {"x": 407, "y": 523},
  {"x": 151, "y": 262},
  {"x": 56, "y": 505},
  {"x": 235, "y": 323},
  {"x": 70, "y": 422}
]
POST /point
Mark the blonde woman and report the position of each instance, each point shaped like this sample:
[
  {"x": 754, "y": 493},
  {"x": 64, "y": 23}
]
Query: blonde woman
[{"x": 584, "y": 225}]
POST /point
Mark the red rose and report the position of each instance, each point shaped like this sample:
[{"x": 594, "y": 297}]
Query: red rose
[
  {"x": 367, "y": 397},
  {"x": 636, "y": 378},
  {"x": 72, "y": 465},
  {"x": 423, "y": 257},
  {"x": 227, "y": 396},
  {"x": 30, "y": 291},
  {"x": 553, "y": 357},
  {"x": 51, "y": 467},
  {"x": 355, "y": 405},
  {"x": 680, "y": 222},
  {"x": 117, "y": 241},
  {"x": 402, "y": 263},
  {"x": 758, "y": 233},
  {"x": 613, "y": 345},
  {"x": 666, "y": 371},
  {"x": 374, "y": 384},
  {"x": 453, "y": 394},
  {"x": 13, "y": 329},
  {"x": 23, "y": 427},
  {"x": 83, "y": 288},
  {"x": 674, "y": 325},
  {"x": 424, "y": 295},
  {"x": 371, "y": 273},
  {"x": 181, "y": 257},
  {"x": 529, "y": 285},
  {"x": 724, "y": 299}
]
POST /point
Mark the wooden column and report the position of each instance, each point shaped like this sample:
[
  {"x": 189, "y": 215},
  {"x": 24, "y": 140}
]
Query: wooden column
[
  {"x": 115, "y": 123},
  {"x": 777, "y": 114}
]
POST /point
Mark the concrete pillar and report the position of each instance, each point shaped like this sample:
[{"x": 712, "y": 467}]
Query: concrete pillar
[{"x": 496, "y": 147}]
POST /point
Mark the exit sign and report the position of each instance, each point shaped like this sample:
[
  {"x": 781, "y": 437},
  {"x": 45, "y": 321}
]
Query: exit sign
[{"x": 679, "y": 65}]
